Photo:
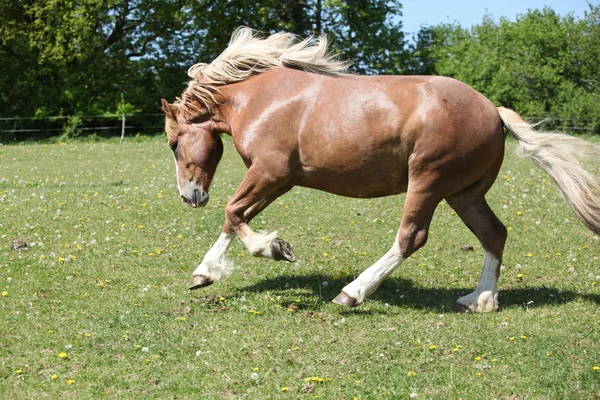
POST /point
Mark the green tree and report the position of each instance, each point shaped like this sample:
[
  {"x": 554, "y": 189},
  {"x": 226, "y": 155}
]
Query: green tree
[{"x": 542, "y": 64}]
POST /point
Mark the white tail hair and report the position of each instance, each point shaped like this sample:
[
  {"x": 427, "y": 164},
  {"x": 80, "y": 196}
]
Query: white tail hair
[{"x": 561, "y": 156}]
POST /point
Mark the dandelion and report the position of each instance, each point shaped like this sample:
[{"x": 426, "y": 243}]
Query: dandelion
[
  {"x": 19, "y": 371},
  {"x": 411, "y": 373},
  {"x": 524, "y": 337},
  {"x": 183, "y": 319},
  {"x": 520, "y": 276},
  {"x": 596, "y": 368},
  {"x": 4, "y": 294},
  {"x": 145, "y": 349},
  {"x": 70, "y": 381},
  {"x": 87, "y": 334},
  {"x": 254, "y": 376},
  {"x": 255, "y": 369},
  {"x": 285, "y": 389},
  {"x": 63, "y": 355},
  {"x": 432, "y": 347},
  {"x": 54, "y": 376}
]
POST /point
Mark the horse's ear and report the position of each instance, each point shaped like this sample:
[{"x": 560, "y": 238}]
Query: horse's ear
[{"x": 168, "y": 109}]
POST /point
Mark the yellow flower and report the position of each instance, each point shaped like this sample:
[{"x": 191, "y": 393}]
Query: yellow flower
[
  {"x": 19, "y": 371},
  {"x": 63, "y": 355},
  {"x": 520, "y": 276},
  {"x": 596, "y": 368},
  {"x": 4, "y": 294},
  {"x": 284, "y": 389},
  {"x": 54, "y": 376},
  {"x": 411, "y": 373},
  {"x": 523, "y": 337},
  {"x": 87, "y": 334},
  {"x": 432, "y": 347},
  {"x": 71, "y": 381}
]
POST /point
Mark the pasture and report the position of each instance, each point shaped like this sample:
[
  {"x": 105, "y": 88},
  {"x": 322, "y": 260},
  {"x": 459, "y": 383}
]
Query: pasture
[{"x": 99, "y": 307}]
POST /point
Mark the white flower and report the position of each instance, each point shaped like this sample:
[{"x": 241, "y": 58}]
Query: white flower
[
  {"x": 254, "y": 376},
  {"x": 145, "y": 349}
]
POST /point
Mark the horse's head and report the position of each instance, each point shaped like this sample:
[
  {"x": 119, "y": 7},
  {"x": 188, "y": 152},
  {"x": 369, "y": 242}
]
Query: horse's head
[{"x": 197, "y": 148}]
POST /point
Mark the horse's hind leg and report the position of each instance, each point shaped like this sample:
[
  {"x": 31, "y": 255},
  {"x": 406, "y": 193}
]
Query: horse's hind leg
[
  {"x": 482, "y": 221},
  {"x": 412, "y": 235}
]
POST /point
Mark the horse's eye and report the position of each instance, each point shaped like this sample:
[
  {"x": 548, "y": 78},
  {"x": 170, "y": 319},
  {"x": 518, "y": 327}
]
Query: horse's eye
[{"x": 173, "y": 146}]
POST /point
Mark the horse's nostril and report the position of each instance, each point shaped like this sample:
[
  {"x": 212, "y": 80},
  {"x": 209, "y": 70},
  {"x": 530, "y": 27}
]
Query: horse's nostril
[{"x": 185, "y": 200}]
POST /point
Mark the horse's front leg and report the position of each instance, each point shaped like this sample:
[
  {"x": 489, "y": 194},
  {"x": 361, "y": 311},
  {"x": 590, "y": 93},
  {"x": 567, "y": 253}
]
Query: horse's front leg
[
  {"x": 214, "y": 265},
  {"x": 255, "y": 193}
]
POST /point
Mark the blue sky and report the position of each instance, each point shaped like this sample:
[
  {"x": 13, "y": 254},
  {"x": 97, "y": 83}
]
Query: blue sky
[{"x": 471, "y": 12}]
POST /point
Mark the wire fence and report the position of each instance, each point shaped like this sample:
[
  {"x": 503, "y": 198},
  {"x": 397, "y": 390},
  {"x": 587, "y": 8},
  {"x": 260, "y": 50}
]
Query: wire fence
[
  {"x": 111, "y": 125},
  {"x": 106, "y": 125}
]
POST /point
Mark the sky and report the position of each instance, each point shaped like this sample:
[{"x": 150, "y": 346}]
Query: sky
[{"x": 470, "y": 12}]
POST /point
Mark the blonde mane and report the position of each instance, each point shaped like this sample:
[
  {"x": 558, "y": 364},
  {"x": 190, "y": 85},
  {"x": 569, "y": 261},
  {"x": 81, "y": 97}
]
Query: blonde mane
[{"x": 249, "y": 54}]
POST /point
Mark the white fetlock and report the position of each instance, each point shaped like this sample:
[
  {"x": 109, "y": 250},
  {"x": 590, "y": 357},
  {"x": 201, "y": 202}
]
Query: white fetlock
[
  {"x": 259, "y": 244},
  {"x": 215, "y": 269},
  {"x": 482, "y": 302},
  {"x": 214, "y": 265}
]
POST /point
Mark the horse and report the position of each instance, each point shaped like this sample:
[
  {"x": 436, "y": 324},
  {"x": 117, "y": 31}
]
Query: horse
[{"x": 298, "y": 118}]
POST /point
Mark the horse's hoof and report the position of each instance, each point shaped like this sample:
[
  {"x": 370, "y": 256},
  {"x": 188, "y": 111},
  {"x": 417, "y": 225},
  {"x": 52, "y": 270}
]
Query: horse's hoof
[
  {"x": 461, "y": 309},
  {"x": 344, "y": 300},
  {"x": 199, "y": 281},
  {"x": 281, "y": 250}
]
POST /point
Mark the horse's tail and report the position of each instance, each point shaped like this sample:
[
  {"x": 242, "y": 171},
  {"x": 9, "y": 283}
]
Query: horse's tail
[{"x": 560, "y": 156}]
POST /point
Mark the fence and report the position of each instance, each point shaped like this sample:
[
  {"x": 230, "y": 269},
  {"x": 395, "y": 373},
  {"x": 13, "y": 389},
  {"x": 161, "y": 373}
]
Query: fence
[
  {"x": 16, "y": 129},
  {"x": 108, "y": 125}
]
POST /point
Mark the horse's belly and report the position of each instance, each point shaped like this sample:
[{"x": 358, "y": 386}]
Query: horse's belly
[{"x": 364, "y": 183}]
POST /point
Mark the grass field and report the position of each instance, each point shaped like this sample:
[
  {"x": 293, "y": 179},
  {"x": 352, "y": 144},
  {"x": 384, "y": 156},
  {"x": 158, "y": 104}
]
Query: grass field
[{"x": 98, "y": 306}]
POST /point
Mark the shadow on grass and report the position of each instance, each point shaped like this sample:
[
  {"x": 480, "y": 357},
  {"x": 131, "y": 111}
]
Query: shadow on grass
[{"x": 403, "y": 293}]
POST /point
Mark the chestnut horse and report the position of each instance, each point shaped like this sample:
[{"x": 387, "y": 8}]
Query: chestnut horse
[{"x": 297, "y": 118}]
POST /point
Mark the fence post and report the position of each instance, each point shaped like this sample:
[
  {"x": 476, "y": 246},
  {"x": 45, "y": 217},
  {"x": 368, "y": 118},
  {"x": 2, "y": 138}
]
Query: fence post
[{"x": 122, "y": 127}]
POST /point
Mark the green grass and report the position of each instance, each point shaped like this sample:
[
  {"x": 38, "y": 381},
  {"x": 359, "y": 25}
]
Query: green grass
[{"x": 115, "y": 248}]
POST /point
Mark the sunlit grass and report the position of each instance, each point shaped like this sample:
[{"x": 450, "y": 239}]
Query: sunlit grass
[{"x": 98, "y": 306}]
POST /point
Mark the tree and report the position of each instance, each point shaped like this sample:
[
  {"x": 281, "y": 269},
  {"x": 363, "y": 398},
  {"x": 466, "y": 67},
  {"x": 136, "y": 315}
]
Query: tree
[{"x": 541, "y": 64}]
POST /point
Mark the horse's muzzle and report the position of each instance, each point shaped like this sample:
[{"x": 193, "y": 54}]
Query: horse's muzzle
[{"x": 198, "y": 198}]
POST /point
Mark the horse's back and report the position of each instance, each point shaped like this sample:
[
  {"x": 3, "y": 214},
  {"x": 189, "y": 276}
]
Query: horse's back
[{"x": 368, "y": 136}]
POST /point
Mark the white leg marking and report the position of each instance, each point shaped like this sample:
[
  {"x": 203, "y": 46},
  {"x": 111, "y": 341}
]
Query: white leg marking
[
  {"x": 371, "y": 278},
  {"x": 259, "y": 243},
  {"x": 485, "y": 297},
  {"x": 215, "y": 265}
]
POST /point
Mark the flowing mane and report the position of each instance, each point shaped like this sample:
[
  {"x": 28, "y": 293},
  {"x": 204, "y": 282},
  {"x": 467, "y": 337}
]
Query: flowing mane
[{"x": 249, "y": 54}]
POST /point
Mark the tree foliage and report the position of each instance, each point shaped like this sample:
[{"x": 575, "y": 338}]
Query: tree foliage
[
  {"x": 85, "y": 57},
  {"x": 542, "y": 64}
]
